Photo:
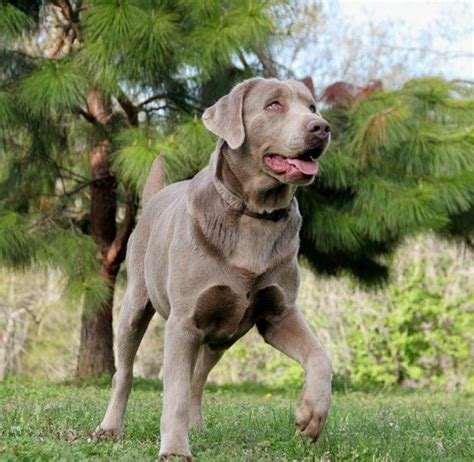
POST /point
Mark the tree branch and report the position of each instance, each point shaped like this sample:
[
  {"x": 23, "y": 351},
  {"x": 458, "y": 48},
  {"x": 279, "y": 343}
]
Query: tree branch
[
  {"x": 448, "y": 54},
  {"x": 131, "y": 111},
  {"x": 73, "y": 18},
  {"x": 55, "y": 53},
  {"x": 151, "y": 99},
  {"x": 87, "y": 115},
  {"x": 468, "y": 82},
  {"x": 79, "y": 187},
  {"x": 116, "y": 251},
  {"x": 61, "y": 167},
  {"x": 65, "y": 197},
  {"x": 269, "y": 68},
  {"x": 35, "y": 225},
  {"x": 243, "y": 60},
  {"x": 156, "y": 108}
]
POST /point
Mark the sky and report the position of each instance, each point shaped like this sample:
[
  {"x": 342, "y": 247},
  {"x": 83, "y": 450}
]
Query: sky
[{"x": 454, "y": 18}]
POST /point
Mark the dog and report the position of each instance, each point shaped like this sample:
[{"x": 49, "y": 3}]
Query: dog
[{"x": 217, "y": 254}]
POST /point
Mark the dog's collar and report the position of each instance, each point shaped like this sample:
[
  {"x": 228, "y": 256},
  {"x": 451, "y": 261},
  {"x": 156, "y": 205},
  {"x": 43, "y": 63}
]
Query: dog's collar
[{"x": 236, "y": 203}]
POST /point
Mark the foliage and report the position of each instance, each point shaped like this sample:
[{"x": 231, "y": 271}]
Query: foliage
[
  {"x": 400, "y": 162},
  {"x": 16, "y": 246},
  {"x": 149, "y": 62},
  {"x": 73, "y": 254},
  {"x": 45, "y": 422},
  {"x": 420, "y": 338},
  {"x": 137, "y": 148},
  {"x": 12, "y": 20},
  {"x": 56, "y": 87}
]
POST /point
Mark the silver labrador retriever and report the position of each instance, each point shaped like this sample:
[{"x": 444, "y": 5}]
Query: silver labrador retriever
[{"x": 217, "y": 254}]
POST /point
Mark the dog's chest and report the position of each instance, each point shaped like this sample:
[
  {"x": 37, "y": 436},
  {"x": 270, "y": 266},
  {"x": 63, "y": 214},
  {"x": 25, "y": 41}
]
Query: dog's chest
[
  {"x": 224, "y": 314},
  {"x": 256, "y": 247}
]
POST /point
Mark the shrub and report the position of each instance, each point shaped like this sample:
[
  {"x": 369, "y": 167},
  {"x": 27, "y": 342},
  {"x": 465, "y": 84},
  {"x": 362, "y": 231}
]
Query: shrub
[{"x": 421, "y": 335}]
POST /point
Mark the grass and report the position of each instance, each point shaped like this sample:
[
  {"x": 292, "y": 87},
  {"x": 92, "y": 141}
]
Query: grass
[{"x": 46, "y": 422}]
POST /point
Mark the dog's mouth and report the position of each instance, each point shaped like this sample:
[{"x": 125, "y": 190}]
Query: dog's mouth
[{"x": 304, "y": 164}]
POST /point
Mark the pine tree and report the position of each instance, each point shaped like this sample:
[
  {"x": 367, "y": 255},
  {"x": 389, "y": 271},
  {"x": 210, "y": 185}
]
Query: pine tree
[
  {"x": 401, "y": 163},
  {"x": 90, "y": 93},
  {"x": 84, "y": 113}
]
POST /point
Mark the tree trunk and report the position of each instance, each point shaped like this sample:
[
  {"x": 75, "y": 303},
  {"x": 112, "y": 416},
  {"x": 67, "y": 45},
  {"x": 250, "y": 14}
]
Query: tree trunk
[{"x": 96, "y": 355}]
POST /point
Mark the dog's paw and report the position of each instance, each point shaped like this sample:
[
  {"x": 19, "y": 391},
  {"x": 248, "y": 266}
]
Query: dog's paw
[
  {"x": 311, "y": 416},
  {"x": 101, "y": 434},
  {"x": 176, "y": 457}
]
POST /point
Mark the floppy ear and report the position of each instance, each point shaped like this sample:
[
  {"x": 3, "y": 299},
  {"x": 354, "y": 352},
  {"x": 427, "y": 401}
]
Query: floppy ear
[{"x": 224, "y": 118}]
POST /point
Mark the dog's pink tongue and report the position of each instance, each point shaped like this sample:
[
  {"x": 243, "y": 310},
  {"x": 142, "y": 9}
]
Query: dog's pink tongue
[
  {"x": 308, "y": 167},
  {"x": 280, "y": 164},
  {"x": 277, "y": 163}
]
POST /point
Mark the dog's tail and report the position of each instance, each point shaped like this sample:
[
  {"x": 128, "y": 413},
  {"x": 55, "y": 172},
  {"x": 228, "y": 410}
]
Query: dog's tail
[{"x": 155, "y": 180}]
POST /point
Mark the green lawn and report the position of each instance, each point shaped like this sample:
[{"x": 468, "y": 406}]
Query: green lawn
[{"x": 40, "y": 422}]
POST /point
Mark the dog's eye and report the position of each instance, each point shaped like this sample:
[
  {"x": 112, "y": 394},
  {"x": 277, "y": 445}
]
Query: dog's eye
[
  {"x": 312, "y": 108},
  {"x": 275, "y": 106}
]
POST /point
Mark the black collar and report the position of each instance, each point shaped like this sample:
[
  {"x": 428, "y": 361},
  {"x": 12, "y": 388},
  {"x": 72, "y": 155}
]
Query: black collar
[{"x": 236, "y": 203}]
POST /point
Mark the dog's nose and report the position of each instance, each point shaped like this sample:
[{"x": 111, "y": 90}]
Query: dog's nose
[{"x": 319, "y": 127}]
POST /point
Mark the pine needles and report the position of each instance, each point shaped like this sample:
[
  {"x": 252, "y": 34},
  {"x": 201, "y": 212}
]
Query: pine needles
[
  {"x": 56, "y": 86},
  {"x": 402, "y": 162}
]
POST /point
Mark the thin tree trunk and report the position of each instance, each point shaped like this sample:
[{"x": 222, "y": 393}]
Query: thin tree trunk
[{"x": 96, "y": 354}]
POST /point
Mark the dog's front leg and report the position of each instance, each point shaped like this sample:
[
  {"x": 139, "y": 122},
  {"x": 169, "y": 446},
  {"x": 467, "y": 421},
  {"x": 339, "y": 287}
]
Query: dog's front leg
[
  {"x": 180, "y": 352},
  {"x": 291, "y": 335}
]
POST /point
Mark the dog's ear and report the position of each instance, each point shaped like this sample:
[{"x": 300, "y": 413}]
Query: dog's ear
[{"x": 225, "y": 118}]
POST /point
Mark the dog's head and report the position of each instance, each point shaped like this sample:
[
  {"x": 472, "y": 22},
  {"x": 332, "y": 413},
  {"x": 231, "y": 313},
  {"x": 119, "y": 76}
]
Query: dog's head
[{"x": 275, "y": 125}]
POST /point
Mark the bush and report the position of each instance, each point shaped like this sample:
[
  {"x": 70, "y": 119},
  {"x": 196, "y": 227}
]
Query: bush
[{"x": 422, "y": 334}]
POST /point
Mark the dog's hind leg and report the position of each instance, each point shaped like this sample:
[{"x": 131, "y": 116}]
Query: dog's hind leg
[
  {"x": 207, "y": 359},
  {"x": 134, "y": 318}
]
